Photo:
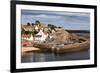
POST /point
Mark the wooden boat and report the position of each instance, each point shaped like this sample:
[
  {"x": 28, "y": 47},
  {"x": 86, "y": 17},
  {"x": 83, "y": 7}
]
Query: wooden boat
[{"x": 63, "y": 48}]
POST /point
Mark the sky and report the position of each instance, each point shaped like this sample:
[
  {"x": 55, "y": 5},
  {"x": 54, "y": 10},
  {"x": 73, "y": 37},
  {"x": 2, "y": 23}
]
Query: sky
[{"x": 67, "y": 20}]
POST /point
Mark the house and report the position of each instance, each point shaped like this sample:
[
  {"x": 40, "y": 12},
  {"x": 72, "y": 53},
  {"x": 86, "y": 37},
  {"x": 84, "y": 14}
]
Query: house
[
  {"x": 28, "y": 28},
  {"x": 26, "y": 43},
  {"x": 40, "y": 36},
  {"x": 27, "y": 37},
  {"x": 36, "y": 28},
  {"x": 59, "y": 28},
  {"x": 27, "y": 40}
]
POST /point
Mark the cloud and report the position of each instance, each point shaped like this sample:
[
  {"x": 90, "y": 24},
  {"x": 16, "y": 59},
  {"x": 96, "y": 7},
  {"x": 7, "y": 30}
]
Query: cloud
[
  {"x": 72, "y": 13},
  {"x": 71, "y": 20},
  {"x": 37, "y": 12},
  {"x": 46, "y": 16}
]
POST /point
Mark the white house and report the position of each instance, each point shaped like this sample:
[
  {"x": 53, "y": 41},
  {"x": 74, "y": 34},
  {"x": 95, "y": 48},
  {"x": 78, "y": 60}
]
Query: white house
[
  {"x": 27, "y": 37},
  {"x": 36, "y": 28},
  {"x": 31, "y": 38},
  {"x": 40, "y": 36}
]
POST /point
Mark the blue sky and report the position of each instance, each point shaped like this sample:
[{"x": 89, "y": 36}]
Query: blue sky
[{"x": 68, "y": 20}]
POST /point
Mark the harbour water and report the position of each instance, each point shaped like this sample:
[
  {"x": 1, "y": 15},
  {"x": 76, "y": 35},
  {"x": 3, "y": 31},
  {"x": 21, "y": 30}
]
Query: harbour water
[{"x": 45, "y": 57}]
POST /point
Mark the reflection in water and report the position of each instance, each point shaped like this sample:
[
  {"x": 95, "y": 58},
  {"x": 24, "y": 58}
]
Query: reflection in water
[{"x": 45, "y": 57}]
